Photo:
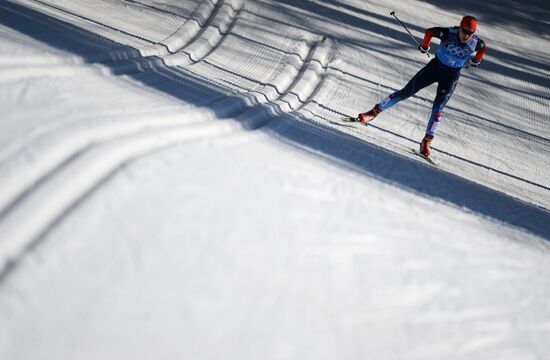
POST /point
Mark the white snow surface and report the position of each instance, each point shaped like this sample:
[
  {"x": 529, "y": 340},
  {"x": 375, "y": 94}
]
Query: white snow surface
[{"x": 175, "y": 183}]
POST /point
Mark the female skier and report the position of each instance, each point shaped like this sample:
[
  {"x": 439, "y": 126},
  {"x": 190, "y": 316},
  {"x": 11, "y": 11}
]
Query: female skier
[{"x": 458, "y": 45}]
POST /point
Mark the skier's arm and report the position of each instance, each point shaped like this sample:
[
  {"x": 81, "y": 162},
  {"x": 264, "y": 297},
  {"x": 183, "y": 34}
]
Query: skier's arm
[
  {"x": 437, "y": 32},
  {"x": 481, "y": 49}
]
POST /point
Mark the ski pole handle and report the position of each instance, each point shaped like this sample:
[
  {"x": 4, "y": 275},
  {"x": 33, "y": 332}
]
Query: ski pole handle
[{"x": 417, "y": 43}]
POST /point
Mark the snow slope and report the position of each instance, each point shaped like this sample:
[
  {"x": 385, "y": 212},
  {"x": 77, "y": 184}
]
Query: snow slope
[{"x": 175, "y": 183}]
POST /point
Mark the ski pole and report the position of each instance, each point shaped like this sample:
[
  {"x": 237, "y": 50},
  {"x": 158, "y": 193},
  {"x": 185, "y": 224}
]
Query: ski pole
[{"x": 393, "y": 14}]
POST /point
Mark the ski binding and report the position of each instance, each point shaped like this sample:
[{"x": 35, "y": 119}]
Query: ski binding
[{"x": 429, "y": 159}]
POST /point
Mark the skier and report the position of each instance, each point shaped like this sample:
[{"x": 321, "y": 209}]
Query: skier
[{"x": 458, "y": 45}]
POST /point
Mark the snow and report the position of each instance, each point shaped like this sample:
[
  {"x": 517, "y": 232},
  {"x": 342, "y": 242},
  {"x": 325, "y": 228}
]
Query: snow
[{"x": 175, "y": 183}]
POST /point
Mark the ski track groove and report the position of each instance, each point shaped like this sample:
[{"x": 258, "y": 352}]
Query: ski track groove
[
  {"x": 46, "y": 196},
  {"x": 202, "y": 28},
  {"x": 98, "y": 134},
  {"x": 126, "y": 63},
  {"x": 89, "y": 20},
  {"x": 164, "y": 53},
  {"x": 222, "y": 36}
]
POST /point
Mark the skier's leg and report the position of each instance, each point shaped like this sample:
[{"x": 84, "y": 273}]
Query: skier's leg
[
  {"x": 445, "y": 89},
  {"x": 426, "y": 76}
]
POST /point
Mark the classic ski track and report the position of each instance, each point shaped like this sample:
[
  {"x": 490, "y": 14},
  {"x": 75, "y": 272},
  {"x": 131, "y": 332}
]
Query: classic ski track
[
  {"x": 120, "y": 63},
  {"x": 50, "y": 195},
  {"x": 202, "y": 29},
  {"x": 75, "y": 142},
  {"x": 209, "y": 7},
  {"x": 171, "y": 51},
  {"x": 120, "y": 66},
  {"x": 124, "y": 63},
  {"x": 78, "y": 140}
]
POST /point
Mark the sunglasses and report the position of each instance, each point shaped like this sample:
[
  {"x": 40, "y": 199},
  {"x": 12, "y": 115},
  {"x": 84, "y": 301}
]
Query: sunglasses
[{"x": 466, "y": 31}]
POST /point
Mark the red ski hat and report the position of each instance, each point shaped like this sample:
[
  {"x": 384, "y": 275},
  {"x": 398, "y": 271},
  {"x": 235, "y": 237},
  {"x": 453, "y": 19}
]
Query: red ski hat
[{"x": 469, "y": 22}]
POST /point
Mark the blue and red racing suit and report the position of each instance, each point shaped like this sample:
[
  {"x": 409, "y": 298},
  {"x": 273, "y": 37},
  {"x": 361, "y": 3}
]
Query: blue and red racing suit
[{"x": 443, "y": 69}]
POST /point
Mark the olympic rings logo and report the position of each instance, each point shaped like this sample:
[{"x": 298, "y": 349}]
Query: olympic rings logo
[{"x": 457, "y": 51}]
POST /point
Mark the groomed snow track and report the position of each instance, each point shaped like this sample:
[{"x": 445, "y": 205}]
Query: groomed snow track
[
  {"x": 86, "y": 159},
  {"x": 198, "y": 71}
]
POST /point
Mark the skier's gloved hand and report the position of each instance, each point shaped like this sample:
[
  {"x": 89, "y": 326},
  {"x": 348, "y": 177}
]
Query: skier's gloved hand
[
  {"x": 473, "y": 62},
  {"x": 422, "y": 49}
]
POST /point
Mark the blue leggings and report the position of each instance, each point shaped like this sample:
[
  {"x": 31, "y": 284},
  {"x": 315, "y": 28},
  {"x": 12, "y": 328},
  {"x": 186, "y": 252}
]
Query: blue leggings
[{"x": 446, "y": 78}]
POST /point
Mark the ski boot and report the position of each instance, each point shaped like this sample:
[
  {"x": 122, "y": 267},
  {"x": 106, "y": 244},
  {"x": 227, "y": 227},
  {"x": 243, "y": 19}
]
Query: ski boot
[
  {"x": 425, "y": 145},
  {"x": 364, "y": 118}
]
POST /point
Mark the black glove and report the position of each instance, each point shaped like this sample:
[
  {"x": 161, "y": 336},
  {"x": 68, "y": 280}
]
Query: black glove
[
  {"x": 473, "y": 62},
  {"x": 422, "y": 49}
]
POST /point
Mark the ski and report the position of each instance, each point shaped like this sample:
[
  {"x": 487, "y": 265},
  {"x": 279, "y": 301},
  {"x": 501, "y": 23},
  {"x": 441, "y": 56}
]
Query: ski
[
  {"x": 352, "y": 120},
  {"x": 348, "y": 119},
  {"x": 429, "y": 159}
]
